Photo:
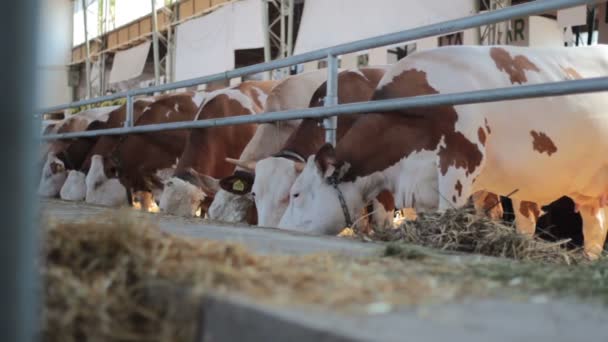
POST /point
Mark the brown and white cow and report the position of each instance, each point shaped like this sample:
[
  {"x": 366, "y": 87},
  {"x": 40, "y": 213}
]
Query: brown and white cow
[
  {"x": 139, "y": 160},
  {"x": 68, "y": 153},
  {"x": 294, "y": 92},
  {"x": 116, "y": 120},
  {"x": 53, "y": 176},
  {"x": 74, "y": 186},
  {"x": 435, "y": 158},
  {"x": 102, "y": 190},
  {"x": 193, "y": 183},
  {"x": 526, "y": 213},
  {"x": 275, "y": 175}
]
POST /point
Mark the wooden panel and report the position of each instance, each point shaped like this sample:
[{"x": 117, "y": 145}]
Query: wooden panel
[
  {"x": 94, "y": 48},
  {"x": 76, "y": 54},
  {"x": 217, "y": 2},
  {"x": 112, "y": 39},
  {"x": 145, "y": 26},
  {"x": 201, "y": 5},
  {"x": 163, "y": 20},
  {"x": 123, "y": 35},
  {"x": 133, "y": 30},
  {"x": 186, "y": 9}
]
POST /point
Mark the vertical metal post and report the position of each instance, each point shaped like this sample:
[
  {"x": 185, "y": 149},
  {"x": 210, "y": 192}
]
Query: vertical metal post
[
  {"x": 266, "y": 25},
  {"x": 102, "y": 57},
  {"x": 170, "y": 51},
  {"x": 590, "y": 25},
  {"x": 155, "y": 43},
  {"x": 129, "y": 116},
  {"x": 331, "y": 124},
  {"x": 19, "y": 254},
  {"x": 87, "y": 47},
  {"x": 290, "y": 11},
  {"x": 102, "y": 74},
  {"x": 283, "y": 29}
]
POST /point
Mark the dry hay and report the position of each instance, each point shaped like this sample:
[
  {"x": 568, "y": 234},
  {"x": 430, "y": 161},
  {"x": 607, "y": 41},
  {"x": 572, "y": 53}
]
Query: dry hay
[
  {"x": 464, "y": 231},
  {"x": 115, "y": 279}
]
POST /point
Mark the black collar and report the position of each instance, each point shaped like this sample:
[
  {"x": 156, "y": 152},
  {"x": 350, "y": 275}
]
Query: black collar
[
  {"x": 290, "y": 155},
  {"x": 333, "y": 181}
]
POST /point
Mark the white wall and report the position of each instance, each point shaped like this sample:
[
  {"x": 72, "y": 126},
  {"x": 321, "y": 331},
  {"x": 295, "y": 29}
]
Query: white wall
[
  {"x": 545, "y": 32},
  {"x": 55, "y": 52}
]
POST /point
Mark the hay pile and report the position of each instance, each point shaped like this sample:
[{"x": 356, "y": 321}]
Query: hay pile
[
  {"x": 464, "y": 231},
  {"x": 119, "y": 280}
]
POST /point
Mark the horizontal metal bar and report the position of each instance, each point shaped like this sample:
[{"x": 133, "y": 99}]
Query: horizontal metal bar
[
  {"x": 480, "y": 96},
  {"x": 491, "y": 17},
  {"x": 84, "y": 102}
]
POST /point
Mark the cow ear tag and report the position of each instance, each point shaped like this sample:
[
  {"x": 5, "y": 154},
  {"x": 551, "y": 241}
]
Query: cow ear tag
[{"x": 238, "y": 186}]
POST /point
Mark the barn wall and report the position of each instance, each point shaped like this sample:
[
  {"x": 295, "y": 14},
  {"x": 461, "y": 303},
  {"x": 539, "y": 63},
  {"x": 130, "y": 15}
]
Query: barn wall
[
  {"x": 55, "y": 52},
  {"x": 545, "y": 32},
  {"x": 603, "y": 24}
]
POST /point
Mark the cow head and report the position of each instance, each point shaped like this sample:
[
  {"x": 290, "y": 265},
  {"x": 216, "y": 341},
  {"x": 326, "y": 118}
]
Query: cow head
[
  {"x": 102, "y": 190},
  {"x": 74, "y": 188},
  {"x": 233, "y": 202},
  {"x": 274, "y": 177},
  {"x": 53, "y": 177},
  {"x": 314, "y": 203},
  {"x": 184, "y": 195}
]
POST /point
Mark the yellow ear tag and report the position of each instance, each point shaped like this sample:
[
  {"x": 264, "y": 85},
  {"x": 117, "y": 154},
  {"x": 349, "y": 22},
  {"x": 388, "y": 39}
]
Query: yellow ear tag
[{"x": 238, "y": 186}]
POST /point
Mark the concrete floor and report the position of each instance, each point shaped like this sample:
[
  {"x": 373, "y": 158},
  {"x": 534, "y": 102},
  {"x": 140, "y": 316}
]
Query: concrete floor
[{"x": 236, "y": 318}]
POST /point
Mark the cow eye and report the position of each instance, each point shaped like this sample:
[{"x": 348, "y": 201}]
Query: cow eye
[{"x": 296, "y": 195}]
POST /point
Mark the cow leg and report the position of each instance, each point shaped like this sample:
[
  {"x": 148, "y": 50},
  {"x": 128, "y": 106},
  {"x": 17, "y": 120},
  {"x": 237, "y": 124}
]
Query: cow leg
[
  {"x": 454, "y": 190},
  {"x": 147, "y": 201},
  {"x": 594, "y": 231},
  {"x": 488, "y": 204},
  {"x": 382, "y": 217},
  {"x": 526, "y": 215},
  {"x": 129, "y": 196},
  {"x": 383, "y": 210}
]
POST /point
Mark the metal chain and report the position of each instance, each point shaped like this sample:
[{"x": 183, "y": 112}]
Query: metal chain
[{"x": 334, "y": 182}]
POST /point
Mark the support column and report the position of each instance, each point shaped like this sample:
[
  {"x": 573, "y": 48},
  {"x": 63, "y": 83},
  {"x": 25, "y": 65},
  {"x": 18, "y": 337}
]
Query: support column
[
  {"x": 87, "y": 47},
  {"x": 155, "y": 43},
  {"x": 331, "y": 124}
]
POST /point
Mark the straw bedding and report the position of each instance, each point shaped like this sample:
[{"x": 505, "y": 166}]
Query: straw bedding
[
  {"x": 120, "y": 279},
  {"x": 464, "y": 231}
]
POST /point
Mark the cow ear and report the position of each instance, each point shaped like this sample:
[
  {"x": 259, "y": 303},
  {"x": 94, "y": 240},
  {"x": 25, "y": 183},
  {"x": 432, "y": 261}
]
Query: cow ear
[
  {"x": 240, "y": 183},
  {"x": 325, "y": 159},
  {"x": 209, "y": 185}
]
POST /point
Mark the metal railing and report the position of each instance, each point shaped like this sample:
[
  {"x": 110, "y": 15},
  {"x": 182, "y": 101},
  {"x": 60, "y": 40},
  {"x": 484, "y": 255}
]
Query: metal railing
[{"x": 331, "y": 109}]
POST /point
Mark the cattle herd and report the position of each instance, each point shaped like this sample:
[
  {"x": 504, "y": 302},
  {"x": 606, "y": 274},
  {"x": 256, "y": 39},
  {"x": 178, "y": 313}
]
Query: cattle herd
[{"x": 283, "y": 175}]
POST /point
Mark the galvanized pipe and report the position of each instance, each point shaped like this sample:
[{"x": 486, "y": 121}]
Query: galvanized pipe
[
  {"x": 20, "y": 257},
  {"x": 480, "y": 96},
  {"x": 87, "y": 49},
  {"x": 536, "y": 7},
  {"x": 290, "y": 20},
  {"x": 331, "y": 99},
  {"x": 155, "y": 43},
  {"x": 129, "y": 115},
  {"x": 283, "y": 27},
  {"x": 266, "y": 25}
]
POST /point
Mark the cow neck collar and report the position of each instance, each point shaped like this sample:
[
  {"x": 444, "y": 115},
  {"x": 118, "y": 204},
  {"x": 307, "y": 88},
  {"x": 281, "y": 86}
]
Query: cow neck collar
[
  {"x": 291, "y": 155},
  {"x": 334, "y": 182}
]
